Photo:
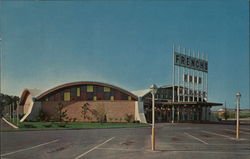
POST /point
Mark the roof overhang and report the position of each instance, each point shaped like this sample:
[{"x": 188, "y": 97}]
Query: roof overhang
[{"x": 190, "y": 103}]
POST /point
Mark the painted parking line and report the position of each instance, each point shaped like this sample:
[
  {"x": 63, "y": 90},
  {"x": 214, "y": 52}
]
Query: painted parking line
[
  {"x": 118, "y": 149},
  {"x": 196, "y": 138},
  {"x": 29, "y": 148},
  {"x": 241, "y": 132},
  {"x": 245, "y": 129},
  {"x": 179, "y": 151},
  {"x": 81, "y": 155},
  {"x": 225, "y": 136}
]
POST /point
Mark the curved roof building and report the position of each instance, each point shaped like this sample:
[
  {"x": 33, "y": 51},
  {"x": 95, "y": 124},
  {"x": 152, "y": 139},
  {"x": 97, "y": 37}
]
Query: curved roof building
[{"x": 117, "y": 102}]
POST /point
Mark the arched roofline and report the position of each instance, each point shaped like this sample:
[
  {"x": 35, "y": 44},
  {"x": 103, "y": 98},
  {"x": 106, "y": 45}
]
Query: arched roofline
[
  {"x": 24, "y": 95},
  {"x": 85, "y": 83}
]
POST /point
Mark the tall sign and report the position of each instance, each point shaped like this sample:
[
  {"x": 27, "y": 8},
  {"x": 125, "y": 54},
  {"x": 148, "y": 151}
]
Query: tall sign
[{"x": 190, "y": 75}]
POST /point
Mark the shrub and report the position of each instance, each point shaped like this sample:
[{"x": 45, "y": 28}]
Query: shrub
[
  {"x": 29, "y": 126},
  {"x": 136, "y": 121},
  {"x": 62, "y": 125},
  {"x": 120, "y": 120},
  {"x": 110, "y": 119},
  {"x": 129, "y": 118},
  {"x": 47, "y": 125},
  {"x": 41, "y": 116}
]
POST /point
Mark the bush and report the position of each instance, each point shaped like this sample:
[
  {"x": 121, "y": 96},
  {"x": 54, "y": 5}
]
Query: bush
[
  {"x": 41, "y": 116},
  {"x": 47, "y": 125},
  {"x": 62, "y": 125},
  {"x": 136, "y": 121},
  {"x": 129, "y": 118},
  {"x": 29, "y": 126}
]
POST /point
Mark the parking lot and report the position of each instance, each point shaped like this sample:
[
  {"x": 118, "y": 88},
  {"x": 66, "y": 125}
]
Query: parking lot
[{"x": 173, "y": 141}]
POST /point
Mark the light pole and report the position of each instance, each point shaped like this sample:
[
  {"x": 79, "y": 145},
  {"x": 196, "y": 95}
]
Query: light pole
[
  {"x": 17, "y": 114},
  {"x": 238, "y": 115},
  {"x": 153, "y": 89}
]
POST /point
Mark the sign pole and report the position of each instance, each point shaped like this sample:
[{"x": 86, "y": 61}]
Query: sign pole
[
  {"x": 173, "y": 81},
  {"x": 189, "y": 52},
  {"x": 238, "y": 114}
]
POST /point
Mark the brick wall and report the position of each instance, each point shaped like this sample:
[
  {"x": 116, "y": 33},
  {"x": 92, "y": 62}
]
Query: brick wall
[{"x": 115, "y": 110}]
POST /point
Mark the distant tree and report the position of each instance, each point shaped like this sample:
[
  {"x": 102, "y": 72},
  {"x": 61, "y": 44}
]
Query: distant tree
[
  {"x": 60, "y": 114},
  {"x": 8, "y": 100},
  {"x": 225, "y": 114}
]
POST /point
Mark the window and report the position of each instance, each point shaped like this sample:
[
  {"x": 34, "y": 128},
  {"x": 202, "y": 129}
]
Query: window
[
  {"x": 78, "y": 92},
  {"x": 129, "y": 97},
  {"x": 112, "y": 98},
  {"x": 90, "y": 88},
  {"x": 66, "y": 96},
  {"x": 51, "y": 98},
  {"x": 94, "y": 99},
  {"x": 99, "y": 89},
  {"x": 106, "y": 96},
  {"x": 83, "y": 89},
  {"x": 117, "y": 95},
  {"x": 106, "y": 89},
  {"x": 124, "y": 97},
  {"x": 73, "y": 91}
]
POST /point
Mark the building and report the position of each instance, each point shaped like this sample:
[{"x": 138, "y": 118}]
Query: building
[
  {"x": 116, "y": 103},
  {"x": 113, "y": 101},
  {"x": 188, "y": 109}
]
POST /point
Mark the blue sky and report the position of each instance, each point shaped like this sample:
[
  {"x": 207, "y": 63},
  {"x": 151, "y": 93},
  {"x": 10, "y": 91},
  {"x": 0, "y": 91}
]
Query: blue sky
[{"x": 125, "y": 43}]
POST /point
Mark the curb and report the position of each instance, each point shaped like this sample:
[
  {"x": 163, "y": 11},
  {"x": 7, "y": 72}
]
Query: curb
[
  {"x": 12, "y": 125},
  {"x": 56, "y": 129}
]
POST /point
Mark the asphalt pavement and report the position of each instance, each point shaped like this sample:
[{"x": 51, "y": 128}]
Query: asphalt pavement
[{"x": 173, "y": 141}]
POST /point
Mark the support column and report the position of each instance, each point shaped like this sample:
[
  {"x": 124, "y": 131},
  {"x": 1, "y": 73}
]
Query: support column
[
  {"x": 193, "y": 113},
  {"x": 183, "y": 113},
  {"x": 178, "y": 113},
  {"x": 198, "y": 113},
  {"x": 208, "y": 112},
  {"x": 202, "y": 113}
]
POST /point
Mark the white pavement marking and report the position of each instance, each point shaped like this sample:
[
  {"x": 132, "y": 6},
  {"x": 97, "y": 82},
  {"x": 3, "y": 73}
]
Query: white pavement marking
[
  {"x": 241, "y": 132},
  {"x": 9, "y": 153},
  {"x": 93, "y": 148},
  {"x": 179, "y": 151},
  {"x": 244, "y": 129},
  {"x": 115, "y": 149},
  {"x": 211, "y": 133},
  {"x": 195, "y": 138},
  {"x": 211, "y": 152}
]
